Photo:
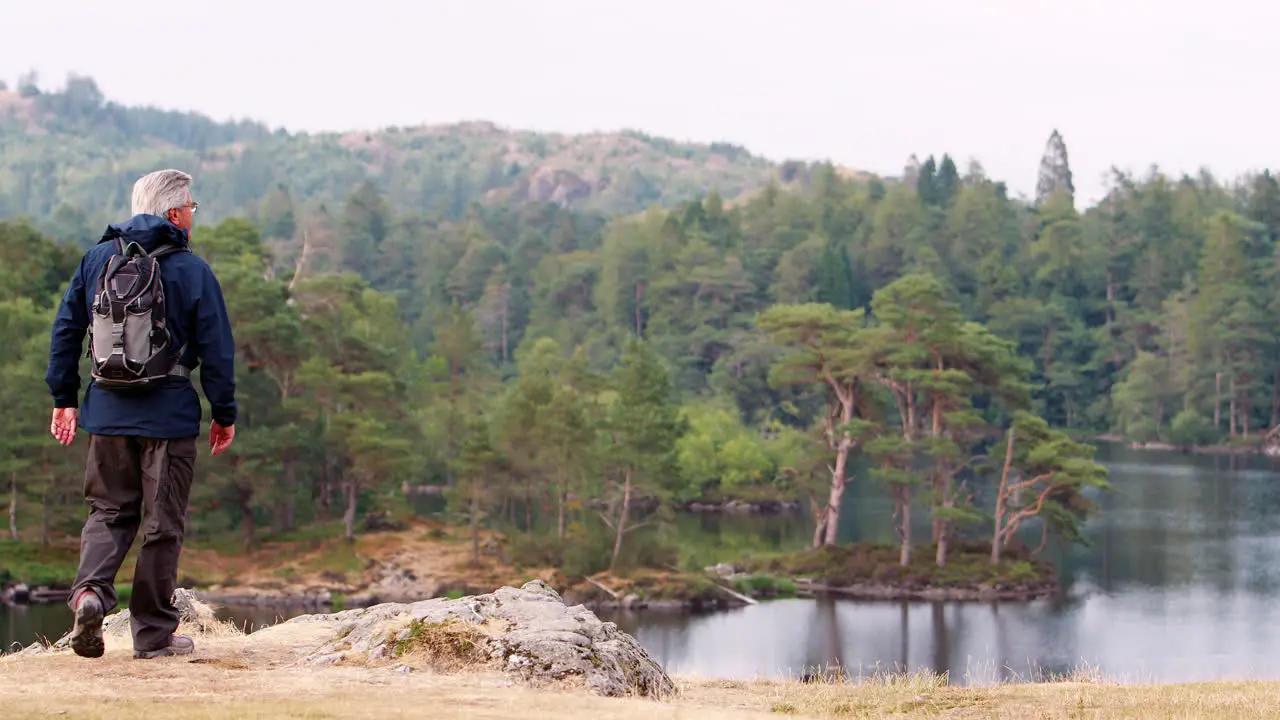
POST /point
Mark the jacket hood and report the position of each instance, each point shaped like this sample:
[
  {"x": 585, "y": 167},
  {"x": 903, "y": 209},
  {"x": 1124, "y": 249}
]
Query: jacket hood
[{"x": 149, "y": 231}]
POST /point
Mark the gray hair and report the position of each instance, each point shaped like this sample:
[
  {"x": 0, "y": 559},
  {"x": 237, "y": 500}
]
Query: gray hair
[{"x": 160, "y": 192}]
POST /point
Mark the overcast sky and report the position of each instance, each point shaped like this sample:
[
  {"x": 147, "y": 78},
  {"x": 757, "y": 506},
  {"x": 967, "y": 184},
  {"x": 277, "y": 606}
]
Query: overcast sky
[{"x": 1128, "y": 82}]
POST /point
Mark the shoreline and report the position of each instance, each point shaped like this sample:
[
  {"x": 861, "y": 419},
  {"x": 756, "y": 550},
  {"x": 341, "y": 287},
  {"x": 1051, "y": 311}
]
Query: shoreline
[
  {"x": 1256, "y": 448},
  {"x": 325, "y": 600},
  {"x": 411, "y": 565}
]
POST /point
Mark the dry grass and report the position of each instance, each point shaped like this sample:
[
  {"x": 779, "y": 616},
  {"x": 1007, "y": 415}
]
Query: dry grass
[
  {"x": 240, "y": 677},
  {"x": 239, "y": 685},
  {"x": 447, "y": 647},
  {"x": 926, "y": 696},
  {"x": 425, "y": 548}
]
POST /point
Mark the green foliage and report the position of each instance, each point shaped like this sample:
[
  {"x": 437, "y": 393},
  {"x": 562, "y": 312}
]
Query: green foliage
[
  {"x": 1044, "y": 474},
  {"x": 719, "y": 451},
  {"x": 37, "y": 565},
  {"x": 642, "y": 427},
  {"x": 765, "y": 586},
  {"x": 1190, "y": 428}
]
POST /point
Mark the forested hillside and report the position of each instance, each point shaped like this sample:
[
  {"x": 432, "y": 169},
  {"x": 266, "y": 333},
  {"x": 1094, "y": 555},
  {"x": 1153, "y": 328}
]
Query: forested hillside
[
  {"x": 68, "y": 157},
  {"x": 536, "y": 358}
]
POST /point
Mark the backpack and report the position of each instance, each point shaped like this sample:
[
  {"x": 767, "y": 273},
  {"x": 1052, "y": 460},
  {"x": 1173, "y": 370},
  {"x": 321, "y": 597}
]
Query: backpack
[{"x": 128, "y": 340}]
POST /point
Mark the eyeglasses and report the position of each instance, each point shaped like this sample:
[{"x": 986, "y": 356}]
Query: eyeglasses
[{"x": 194, "y": 207}]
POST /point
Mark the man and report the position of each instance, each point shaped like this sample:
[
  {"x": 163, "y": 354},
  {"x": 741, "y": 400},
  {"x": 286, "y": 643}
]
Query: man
[{"x": 142, "y": 440}]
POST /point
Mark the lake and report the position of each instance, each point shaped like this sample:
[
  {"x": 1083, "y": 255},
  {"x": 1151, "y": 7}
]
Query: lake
[{"x": 1182, "y": 582}]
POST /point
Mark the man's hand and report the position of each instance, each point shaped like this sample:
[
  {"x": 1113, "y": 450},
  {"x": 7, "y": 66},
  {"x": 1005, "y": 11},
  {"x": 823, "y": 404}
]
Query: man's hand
[
  {"x": 63, "y": 426},
  {"x": 220, "y": 437}
]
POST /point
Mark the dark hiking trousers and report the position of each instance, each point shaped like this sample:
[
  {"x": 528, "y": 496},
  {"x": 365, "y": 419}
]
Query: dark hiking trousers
[{"x": 132, "y": 481}]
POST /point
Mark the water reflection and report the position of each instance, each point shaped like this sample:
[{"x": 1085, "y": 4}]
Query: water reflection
[
  {"x": 1145, "y": 636},
  {"x": 1179, "y": 583},
  {"x": 24, "y": 624}
]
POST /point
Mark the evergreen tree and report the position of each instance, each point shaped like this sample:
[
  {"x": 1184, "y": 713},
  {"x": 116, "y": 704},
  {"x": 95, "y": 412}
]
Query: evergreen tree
[
  {"x": 366, "y": 221},
  {"x": 644, "y": 426},
  {"x": 927, "y": 182},
  {"x": 835, "y": 277},
  {"x": 822, "y": 348},
  {"x": 1055, "y": 170},
  {"x": 947, "y": 182}
]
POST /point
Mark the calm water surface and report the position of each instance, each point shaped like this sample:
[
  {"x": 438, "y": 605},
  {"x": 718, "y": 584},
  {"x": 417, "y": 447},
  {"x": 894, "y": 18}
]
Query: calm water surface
[{"x": 1182, "y": 582}]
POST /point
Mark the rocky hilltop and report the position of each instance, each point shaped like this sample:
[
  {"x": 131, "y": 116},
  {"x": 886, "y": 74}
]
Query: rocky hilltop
[{"x": 74, "y": 147}]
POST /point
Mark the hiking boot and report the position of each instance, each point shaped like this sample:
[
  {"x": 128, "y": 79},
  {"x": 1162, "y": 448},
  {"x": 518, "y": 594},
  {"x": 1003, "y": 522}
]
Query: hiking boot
[
  {"x": 178, "y": 645},
  {"x": 86, "y": 634}
]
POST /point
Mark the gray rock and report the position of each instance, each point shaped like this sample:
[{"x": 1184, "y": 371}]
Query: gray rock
[
  {"x": 527, "y": 632},
  {"x": 19, "y": 593},
  {"x": 721, "y": 570}
]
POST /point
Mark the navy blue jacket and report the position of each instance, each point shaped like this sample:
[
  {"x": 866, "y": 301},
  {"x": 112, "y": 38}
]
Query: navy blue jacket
[{"x": 197, "y": 318}]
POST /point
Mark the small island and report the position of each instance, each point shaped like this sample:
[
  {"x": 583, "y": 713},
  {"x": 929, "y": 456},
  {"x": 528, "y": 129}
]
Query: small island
[
  {"x": 872, "y": 571},
  {"x": 862, "y": 571}
]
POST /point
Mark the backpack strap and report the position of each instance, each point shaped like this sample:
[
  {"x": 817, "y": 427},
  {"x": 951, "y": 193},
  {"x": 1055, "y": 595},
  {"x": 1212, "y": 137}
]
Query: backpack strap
[
  {"x": 168, "y": 249},
  {"x": 178, "y": 368}
]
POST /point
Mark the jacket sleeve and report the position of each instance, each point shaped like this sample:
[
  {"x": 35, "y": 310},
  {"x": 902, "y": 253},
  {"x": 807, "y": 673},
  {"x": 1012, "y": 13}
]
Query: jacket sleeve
[
  {"x": 69, "y": 325},
  {"x": 215, "y": 347}
]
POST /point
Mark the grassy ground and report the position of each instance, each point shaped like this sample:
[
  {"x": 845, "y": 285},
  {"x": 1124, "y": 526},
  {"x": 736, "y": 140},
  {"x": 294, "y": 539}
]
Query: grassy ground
[{"x": 224, "y": 680}]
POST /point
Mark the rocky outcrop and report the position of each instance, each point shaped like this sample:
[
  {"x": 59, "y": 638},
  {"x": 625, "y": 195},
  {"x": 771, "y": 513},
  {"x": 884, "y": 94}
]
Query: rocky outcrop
[
  {"x": 556, "y": 185},
  {"x": 529, "y": 633}
]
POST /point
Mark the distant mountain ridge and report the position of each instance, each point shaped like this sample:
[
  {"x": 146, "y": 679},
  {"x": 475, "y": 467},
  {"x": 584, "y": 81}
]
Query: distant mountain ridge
[{"x": 73, "y": 152}]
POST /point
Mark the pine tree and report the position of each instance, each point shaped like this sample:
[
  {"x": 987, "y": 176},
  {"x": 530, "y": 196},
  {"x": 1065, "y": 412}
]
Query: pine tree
[
  {"x": 1043, "y": 473},
  {"x": 366, "y": 221},
  {"x": 1264, "y": 205},
  {"x": 823, "y": 351},
  {"x": 644, "y": 425},
  {"x": 927, "y": 182},
  {"x": 1055, "y": 170},
  {"x": 835, "y": 277},
  {"x": 1229, "y": 326},
  {"x": 947, "y": 181},
  {"x": 911, "y": 172}
]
